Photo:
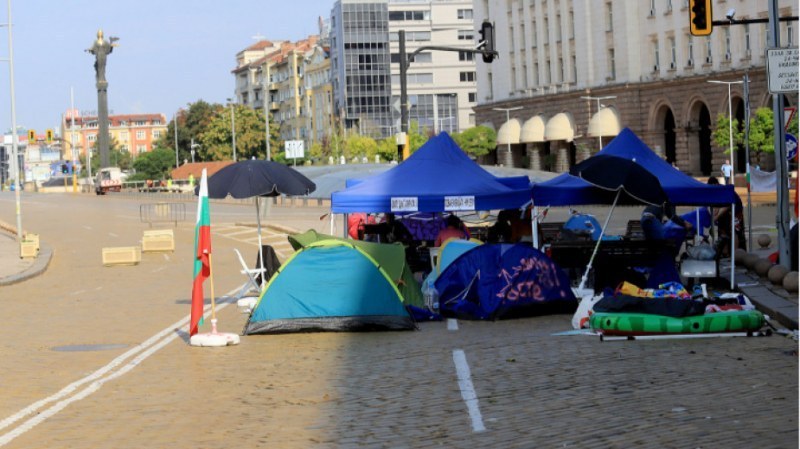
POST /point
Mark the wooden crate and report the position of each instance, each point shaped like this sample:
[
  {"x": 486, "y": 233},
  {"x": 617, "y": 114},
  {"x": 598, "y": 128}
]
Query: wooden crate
[
  {"x": 158, "y": 240},
  {"x": 122, "y": 255},
  {"x": 28, "y": 249}
]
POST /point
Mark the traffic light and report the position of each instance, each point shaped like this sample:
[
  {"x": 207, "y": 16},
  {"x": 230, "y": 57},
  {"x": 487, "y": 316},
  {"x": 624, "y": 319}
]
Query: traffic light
[
  {"x": 487, "y": 41},
  {"x": 31, "y": 136},
  {"x": 700, "y": 18},
  {"x": 48, "y": 136}
]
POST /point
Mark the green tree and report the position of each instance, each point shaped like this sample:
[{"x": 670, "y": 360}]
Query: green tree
[
  {"x": 155, "y": 164},
  {"x": 721, "y": 133},
  {"x": 361, "y": 146},
  {"x": 416, "y": 137},
  {"x": 192, "y": 122},
  {"x": 387, "y": 149},
  {"x": 762, "y": 134},
  {"x": 477, "y": 141},
  {"x": 250, "y": 130}
]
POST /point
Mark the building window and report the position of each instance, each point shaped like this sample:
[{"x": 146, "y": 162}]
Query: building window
[
  {"x": 673, "y": 53},
  {"x": 656, "y": 56},
  {"x": 156, "y": 134},
  {"x": 140, "y": 123},
  {"x": 789, "y": 34},
  {"x": 472, "y": 97},
  {"x": 560, "y": 69},
  {"x": 91, "y": 137},
  {"x": 747, "y": 38},
  {"x": 465, "y": 35},
  {"x": 465, "y": 14},
  {"x": 574, "y": 69},
  {"x": 399, "y": 16},
  {"x": 139, "y": 135},
  {"x": 690, "y": 49},
  {"x": 141, "y": 149},
  {"x": 547, "y": 73},
  {"x": 609, "y": 17},
  {"x": 123, "y": 136},
  {"x": 466, "y": 56},
  {"x": 546, "y": 31},
  {"x": 467, "y": 77},
  {"x": 709, "y": 49},
  {"x": 571, "y": 25},
  {"x": 727, "y": 42},
  {"x": 612, "y": 70}
]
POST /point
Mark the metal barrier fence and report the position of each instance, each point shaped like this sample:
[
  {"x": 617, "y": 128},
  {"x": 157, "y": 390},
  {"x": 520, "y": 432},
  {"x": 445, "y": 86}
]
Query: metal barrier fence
[{"x": 162, "y": 213}]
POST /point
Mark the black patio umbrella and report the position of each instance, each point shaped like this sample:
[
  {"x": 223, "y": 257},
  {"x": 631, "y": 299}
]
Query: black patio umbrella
[
  {"x": 256, "y": 178},
  {"x": 632, "y": 182},
  {"x": 623, "y": 176}
]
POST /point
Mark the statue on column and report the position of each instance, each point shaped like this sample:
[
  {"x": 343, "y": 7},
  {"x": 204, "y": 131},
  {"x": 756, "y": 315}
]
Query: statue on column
[{"x": 100, "y": 49}]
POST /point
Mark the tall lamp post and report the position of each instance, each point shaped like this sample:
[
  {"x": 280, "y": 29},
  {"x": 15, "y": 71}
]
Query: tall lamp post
[
  {"x": 598, "y": 99},
  {"x": 175, "y": 123},
  {"x": 730, "y": 125},
  {"x": 265, "y": 74},
  {"x": 233, "y": 129},
  {"x": 14, "y": 136},
  {"x": 508, "y": 118}
]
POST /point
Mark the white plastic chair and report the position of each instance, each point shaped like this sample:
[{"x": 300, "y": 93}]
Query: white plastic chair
[{"x": 251, "y": 276}]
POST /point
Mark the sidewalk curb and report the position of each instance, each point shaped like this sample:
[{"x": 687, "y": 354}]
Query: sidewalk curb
[{"x": 39, "y": 266}]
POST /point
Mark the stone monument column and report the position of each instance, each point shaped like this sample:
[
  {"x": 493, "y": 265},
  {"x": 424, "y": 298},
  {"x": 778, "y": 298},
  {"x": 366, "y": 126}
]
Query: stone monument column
[{"x": 101, "y": 48}]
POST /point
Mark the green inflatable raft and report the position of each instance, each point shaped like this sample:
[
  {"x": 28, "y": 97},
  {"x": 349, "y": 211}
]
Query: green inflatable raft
[{"x": 631, "y": 324}]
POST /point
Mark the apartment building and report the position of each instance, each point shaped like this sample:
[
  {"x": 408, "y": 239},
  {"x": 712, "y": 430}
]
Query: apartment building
[
  {"x": 581, "y": 70},
  {"x": 135, "y": 133},
  {"x": 442, "y": 85}
]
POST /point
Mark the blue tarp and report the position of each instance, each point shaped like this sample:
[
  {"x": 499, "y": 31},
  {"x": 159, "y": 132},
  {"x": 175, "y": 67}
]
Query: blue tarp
[
  {"x": 568, "y": 190},
  {"x": 437, "y": 170},
  {"x": 496, "y": 281}
]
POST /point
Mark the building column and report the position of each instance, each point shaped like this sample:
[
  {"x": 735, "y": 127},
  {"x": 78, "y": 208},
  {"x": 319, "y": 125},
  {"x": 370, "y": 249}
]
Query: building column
[
  {"x": 534, "y": 156},
  {"x": 562, "y": 156}
]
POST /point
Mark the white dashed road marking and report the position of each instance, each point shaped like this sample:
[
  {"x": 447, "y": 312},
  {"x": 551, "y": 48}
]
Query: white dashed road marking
[{"x": 467, "y": 390}]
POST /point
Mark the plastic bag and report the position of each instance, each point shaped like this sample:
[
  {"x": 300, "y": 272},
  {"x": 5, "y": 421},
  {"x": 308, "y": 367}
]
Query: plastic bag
[
  {"x": 581, "y": 318},
  {"x": 703, "y": 251}
]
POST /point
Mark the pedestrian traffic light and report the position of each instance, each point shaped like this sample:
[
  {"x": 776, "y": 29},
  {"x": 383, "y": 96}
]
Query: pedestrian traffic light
[
  {"x": 487, "y": 41},
  {"x": 31, "y": 136},
  {"x": 700, "y": 18},
  {"x": 48, "y": 136}
]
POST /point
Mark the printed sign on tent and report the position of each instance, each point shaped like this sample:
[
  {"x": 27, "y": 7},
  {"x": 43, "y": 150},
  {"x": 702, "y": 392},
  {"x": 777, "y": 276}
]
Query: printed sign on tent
[
  {"x": 453, "y": 203},
  {"x": 405, "y": 204}
]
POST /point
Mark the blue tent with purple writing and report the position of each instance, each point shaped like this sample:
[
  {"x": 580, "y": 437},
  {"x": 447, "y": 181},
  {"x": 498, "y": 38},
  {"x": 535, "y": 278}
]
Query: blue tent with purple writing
[{"x": 499, "y": 281}]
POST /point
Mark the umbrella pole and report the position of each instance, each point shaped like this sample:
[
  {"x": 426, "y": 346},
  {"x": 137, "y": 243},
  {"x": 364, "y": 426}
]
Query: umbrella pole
[
  {"x": 597, "y": 246},
  {"x": 262, "y": 271}
]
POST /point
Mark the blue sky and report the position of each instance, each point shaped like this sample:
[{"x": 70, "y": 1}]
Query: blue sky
[{"x": 170, "y": 53}]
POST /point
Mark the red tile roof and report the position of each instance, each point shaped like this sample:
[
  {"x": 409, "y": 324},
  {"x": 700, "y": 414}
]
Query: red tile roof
[{"x": 196, "y": 169}]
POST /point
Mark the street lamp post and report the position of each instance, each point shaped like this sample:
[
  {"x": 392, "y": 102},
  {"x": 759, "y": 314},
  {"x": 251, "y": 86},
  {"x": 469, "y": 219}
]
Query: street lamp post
[
  {"x": 14, "y": 136},
  {"x": 265, "y": 74},
  {"x": 192, "y": 149},
  {"x": 730, "y": 125},
  {"x": 509, "y": 159},
  {"x": 598, "y": 99},
  {"x": 175, "y": 126},
  {"x": 233, "y": 130}
]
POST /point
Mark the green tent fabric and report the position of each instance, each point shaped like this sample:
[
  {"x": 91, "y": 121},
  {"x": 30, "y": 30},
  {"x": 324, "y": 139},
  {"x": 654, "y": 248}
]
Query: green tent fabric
[
  {"x": 390, "y": 257},
  {"x": 329, "y": 285}
]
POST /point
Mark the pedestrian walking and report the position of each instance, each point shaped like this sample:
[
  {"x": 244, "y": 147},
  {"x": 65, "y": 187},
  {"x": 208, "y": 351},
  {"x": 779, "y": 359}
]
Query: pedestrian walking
[{"x": 727, "y": 169}]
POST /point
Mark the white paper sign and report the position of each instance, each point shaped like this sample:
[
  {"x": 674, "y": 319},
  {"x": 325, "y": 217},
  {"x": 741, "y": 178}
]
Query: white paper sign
[
  {"x": 782, "y": 74},
  {"x": 405, "y": 204},
  {"x": 459, "y": 203}
]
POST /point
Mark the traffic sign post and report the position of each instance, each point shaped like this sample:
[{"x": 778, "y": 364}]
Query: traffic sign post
[
  {"x": 294, "y": 150},
  {"x": 791, "y": 147}
]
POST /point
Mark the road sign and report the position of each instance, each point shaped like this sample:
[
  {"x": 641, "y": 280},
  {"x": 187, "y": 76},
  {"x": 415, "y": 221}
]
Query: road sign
[
  {"x": 294, "y": 149},
  {"x": 782, "y": 70},
  {"x": 788, "y": 115},
  {"x": 791, "y": 147}
]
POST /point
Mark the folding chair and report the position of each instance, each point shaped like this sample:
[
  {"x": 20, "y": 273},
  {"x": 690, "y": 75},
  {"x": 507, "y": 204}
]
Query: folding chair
[{"x": 251, "y": 273}]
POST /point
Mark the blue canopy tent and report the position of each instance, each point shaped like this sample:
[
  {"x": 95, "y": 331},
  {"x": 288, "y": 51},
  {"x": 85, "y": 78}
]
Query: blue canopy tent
[
  {"x": 438, "y": 177},
  {"x": 681, "y": 189}
]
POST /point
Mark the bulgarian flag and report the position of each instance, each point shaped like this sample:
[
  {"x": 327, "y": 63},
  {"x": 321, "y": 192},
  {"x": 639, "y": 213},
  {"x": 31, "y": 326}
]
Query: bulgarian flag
[{"x": 202, "y": 254}]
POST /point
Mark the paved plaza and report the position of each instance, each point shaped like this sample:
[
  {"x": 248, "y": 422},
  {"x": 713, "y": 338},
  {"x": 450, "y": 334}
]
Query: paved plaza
[{"x": 98, "y": 357}]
